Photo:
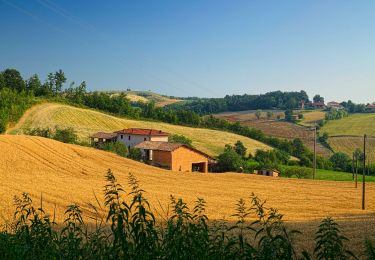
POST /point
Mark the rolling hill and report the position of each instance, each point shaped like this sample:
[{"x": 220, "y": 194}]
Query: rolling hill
[
  {"x": 345, "y": 135},
  {"x": 87, "y": 122},
  {"x": 277, "y": 128},
  {"x": 63, "y": 174},
  {"x": 147, "y": 96}
]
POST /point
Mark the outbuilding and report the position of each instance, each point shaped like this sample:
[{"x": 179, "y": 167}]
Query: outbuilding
[
  {"x": 174, "y": 156},
  {"x": 269, "y": 172}
]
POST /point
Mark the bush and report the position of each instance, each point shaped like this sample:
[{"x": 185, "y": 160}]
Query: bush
[
  {"x": 180, "y": 139},
  {"x": 135, "y": 154},
  {"x": 67, "y": 135},
  {"x": 229, "y": 160},
  {"x": 115, "y": 147},
  {"x": 43, "y": 132},
  {"x": 296, "y": 171}
]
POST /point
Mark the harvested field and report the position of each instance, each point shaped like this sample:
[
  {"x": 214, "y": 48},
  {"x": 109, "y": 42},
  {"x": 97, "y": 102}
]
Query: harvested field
[
  {"x": 275, "y": 128},
  {"x": 87, "y": 122},
  {"x": 348, "y": 145},
  {"x": 64, "y": 174},
  {"x": 310, "y": 118}
]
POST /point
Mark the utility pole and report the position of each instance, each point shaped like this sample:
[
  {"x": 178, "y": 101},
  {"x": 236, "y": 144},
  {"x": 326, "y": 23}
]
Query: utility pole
[
  {"x": 364, "y": 172},
  {"x": 314, "y": 153}
]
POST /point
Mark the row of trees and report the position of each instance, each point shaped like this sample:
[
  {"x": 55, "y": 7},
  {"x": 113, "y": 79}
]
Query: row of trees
[{"x": 271, "y": 100}]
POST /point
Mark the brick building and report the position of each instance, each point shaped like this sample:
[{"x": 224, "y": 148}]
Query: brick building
[{"x": 175, "y": 157}]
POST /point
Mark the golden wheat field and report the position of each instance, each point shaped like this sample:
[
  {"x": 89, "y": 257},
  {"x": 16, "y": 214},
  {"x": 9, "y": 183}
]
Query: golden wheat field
[
  {"x": 63, "y": 174},
  {"x": 87, "y": 122}
]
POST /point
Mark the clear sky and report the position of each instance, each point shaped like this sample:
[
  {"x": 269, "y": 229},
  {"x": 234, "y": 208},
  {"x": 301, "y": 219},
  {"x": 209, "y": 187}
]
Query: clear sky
[{"x": 198, "y": 47}]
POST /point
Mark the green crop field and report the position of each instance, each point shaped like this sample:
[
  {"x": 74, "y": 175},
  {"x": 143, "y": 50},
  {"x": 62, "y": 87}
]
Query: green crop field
[
  {"x": 356, "y": 124},
  {"x": 339, "y": 176}
]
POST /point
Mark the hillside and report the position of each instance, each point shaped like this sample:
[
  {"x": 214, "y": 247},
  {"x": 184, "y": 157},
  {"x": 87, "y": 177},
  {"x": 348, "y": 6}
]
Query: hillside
[
  {"x": 276, "y": 128},
  {"x": 63, "y": 174},
  {"x": 87, "y": 122},
  {"x": 347, "y": 134},
  {"x": 147, "y": 96}
]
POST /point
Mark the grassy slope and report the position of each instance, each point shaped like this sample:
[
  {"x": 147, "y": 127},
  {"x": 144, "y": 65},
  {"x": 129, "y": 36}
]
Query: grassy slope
[
  {"x": 357, "y": 125},
  {"x": 64, "y": 174},
  {"x": 87, "y": 121},
  {"x": 340, "y": 176}
]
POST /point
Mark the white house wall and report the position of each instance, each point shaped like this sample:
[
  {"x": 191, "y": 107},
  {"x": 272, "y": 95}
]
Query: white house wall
[{"x": 137, "y": 139}]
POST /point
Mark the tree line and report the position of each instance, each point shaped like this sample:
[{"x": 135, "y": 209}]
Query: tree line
[{"x": 271, "y": 100}]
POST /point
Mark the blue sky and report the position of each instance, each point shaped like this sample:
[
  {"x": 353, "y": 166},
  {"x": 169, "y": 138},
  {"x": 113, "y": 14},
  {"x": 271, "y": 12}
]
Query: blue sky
[{"x": 197, "y": 47}]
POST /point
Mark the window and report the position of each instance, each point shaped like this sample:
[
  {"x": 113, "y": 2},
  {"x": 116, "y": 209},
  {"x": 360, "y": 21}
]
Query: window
[
  {"x": 122, "y": 136},
  {"x": 145, "y": 139},
  {"x": 129, "y": 137}
]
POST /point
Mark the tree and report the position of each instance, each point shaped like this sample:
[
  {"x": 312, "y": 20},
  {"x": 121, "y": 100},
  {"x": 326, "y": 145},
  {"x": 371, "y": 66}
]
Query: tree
[
  {"x": 340, "y": 161},
  {"x": 180, "y": 139},
  {"x": 33, "y": 84},
  {"x": 2, "y": 81},
  {"x": 318, "y": 98},
  {"x": 60, "y": 79},
  {"x": 240, "y": 149},
  {"x": 258, "y": 113},
  {"x": 269, "y": 115},
  {"x": 229, "y": 160},
  {"x": 289, "y": 115},
  {"x": 13, "y": 80}
]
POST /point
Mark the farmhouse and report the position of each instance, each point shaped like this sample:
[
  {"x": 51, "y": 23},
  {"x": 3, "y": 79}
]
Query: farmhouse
[
  {"x": 175, "y": 157},
  {"x": 268, "y": 172},
  {"x": 370, "y": 108},
  {"x": 131, "y": 136},
  {"x": 102, "y": 137},
  {"x": 318, "y": 105},
  {"x": 334, "y": 105}
]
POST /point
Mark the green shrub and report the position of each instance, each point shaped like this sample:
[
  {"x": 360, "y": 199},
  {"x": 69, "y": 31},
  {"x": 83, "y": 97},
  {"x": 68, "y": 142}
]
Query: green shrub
[
  {"x": 296, "y": 171},
  {"x": 181, "y": 139},
  {"x": 135, "y": 154},
  {"x": 43, "y": 132},
  {"x": 67, "y": 135},
  {"x": 115, "y": 147}
]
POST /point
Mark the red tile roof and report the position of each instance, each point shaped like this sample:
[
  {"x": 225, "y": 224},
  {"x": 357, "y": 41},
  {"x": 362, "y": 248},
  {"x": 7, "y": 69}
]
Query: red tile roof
[
  {"x": 370, "y": 106},
  {"x": 102, "y": 135},
  {"x": 141, "y": 131},
  {"x": 167, "y": 147}
]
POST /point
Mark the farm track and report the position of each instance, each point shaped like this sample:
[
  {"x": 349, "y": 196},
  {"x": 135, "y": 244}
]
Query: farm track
[{"x": 63, "y": 174}]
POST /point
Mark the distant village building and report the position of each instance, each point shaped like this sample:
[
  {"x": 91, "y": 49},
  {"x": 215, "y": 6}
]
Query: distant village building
[
  {"x": 334, "y": 105},
  {"x": 318, "y": 105},
  {"x": 175, "y": 157},
  {"x": 156, "y": 149},
  {"x": 268, "y": 172},
  {"x": 370, "y": 108}
]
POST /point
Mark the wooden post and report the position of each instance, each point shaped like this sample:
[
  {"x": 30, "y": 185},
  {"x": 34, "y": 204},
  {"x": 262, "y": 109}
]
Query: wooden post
[
  {"x": 353, "y": 168},
  {"x": 356, "y": 172},
  {"x": 364, "y": 173},
  {"x": 314, "y": 173}
]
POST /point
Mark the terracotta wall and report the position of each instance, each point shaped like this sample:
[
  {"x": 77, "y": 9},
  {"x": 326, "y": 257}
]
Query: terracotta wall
[{"x": 183, "y": 158}]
